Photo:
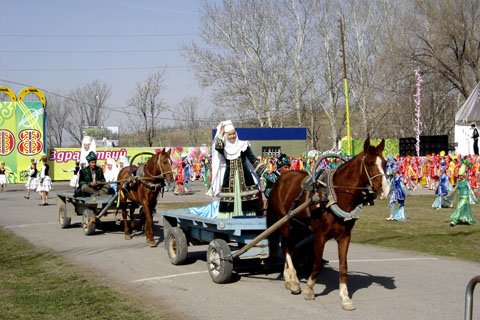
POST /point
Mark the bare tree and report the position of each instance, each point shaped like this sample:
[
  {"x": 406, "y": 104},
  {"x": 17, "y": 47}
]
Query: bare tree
[
  {"x": 279, "y": 62},
  {"x": 186, "y": 115},
  {"x": 449, "y": 42},
  {"x": 244, "y": 69},
  {"x": 87, "y": 105},
  {"x": 57, "y": 112},
  {"x": 147, "y": 101}
]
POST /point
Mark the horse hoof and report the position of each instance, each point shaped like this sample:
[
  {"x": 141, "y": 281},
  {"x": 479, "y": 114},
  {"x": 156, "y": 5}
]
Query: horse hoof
[
  {"x": 309, "y": 296},
  {"x": 295, "y": 292},
  {"x": 348, "y": 306},
  {"x": 128, "y": 237},
  {"x": 152, "y": 243}
]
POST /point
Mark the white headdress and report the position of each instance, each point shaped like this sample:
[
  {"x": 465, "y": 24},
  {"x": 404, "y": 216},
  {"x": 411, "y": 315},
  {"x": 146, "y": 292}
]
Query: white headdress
[
  {"x": 228, "y": 126},
  {"x": 124, "y": 160},
  {"x": 83, "y": 153},
  {"x": 231, "y": 151},
  {"x": 111, "y": 174}
]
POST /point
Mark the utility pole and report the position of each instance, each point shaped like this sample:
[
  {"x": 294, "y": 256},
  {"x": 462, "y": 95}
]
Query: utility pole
[{"x": 345, "y": 85}]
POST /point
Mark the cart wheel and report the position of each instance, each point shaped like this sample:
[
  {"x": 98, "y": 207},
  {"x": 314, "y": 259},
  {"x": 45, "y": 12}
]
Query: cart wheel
[
  {"x": 167, "y": 227},
  {"x": 177, "y": 246},
  {"x": 219, "y": 261},
  {"x": 63, "y": 220},
  {"x": 88, "y": 222}
]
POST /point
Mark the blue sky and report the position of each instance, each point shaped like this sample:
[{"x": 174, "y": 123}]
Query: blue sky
[{"x": 33, "y": 52}]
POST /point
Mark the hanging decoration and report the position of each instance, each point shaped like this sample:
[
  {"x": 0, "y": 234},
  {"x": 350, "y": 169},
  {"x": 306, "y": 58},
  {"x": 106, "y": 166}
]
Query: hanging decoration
[{"x": 418, "y": 113}]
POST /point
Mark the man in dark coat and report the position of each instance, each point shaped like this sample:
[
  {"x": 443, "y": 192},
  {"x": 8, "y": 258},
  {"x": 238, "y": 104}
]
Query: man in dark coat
[
  {"x": 92, "y": 180},
  {"x": 475, "y": 136},
  {"x": 283, "y": 165}
]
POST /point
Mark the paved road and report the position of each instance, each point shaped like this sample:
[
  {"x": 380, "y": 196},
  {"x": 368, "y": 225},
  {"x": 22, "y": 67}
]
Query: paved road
[{"x": 384, "y": 284}]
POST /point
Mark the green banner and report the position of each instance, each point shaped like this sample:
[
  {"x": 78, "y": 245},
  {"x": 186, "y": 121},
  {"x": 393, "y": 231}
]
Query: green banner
[
  {"x": 392, "y": 147},
  {"x": 63, "y": 159},
  {"x": 21, "y": 136}
]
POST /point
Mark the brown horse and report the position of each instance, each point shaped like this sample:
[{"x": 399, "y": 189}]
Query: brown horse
[
  {"x": 348, "y": 187},
  {"x": 143, "y": 188}
]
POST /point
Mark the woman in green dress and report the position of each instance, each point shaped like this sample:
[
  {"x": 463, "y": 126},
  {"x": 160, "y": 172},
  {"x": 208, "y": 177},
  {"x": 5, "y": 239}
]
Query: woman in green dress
[{"x": 466, "y": 197}]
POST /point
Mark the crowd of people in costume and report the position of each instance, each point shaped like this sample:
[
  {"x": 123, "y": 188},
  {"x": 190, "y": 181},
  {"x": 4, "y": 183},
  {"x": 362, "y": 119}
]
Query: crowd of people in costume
[
  {"x": 227, "y": 173},
  {"x": 453, "y": 178}
]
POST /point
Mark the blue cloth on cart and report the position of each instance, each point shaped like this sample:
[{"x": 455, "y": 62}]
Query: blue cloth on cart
[{"x": 208, "y": 211}]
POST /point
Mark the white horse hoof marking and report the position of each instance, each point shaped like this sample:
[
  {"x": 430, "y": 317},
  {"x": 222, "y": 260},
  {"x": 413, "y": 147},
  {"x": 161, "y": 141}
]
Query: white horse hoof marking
[{"x": 348, "y": 306}]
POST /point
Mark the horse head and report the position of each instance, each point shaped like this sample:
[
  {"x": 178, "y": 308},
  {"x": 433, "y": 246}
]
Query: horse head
[
  {"x": 164, "y": 165},
  {"x": 374, "y": 166}
]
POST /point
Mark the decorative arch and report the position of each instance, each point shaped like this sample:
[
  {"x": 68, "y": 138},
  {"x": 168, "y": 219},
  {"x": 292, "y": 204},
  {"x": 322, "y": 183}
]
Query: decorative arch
[
  {"x": 35, "y": 91},
  {"x": 9, "y": 92}
]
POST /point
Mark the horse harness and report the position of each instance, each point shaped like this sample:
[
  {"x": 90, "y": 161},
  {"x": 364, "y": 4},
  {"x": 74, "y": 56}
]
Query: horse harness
[
  {"x": 323, "y": 183},
  {"x": 137, "y": 177}
]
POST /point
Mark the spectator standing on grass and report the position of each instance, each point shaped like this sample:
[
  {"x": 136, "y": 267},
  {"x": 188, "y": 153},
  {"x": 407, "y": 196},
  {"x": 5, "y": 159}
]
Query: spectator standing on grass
[
  {"x": 442, "y": 190},
  {"x": 397, "y": 196},
  {"x": 464, "y": 196}
]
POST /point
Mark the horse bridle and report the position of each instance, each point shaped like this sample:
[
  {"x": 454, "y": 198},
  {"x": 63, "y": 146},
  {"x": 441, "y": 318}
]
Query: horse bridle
[
  {"x": 370, "y": 179},
  {"x": 161, "y": 175}
]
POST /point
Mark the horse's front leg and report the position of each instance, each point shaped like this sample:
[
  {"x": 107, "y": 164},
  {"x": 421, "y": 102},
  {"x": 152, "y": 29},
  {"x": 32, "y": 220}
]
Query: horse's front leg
[
  {"x": 289, "y": 273},
  {"x": 149, "y": 225},
  {"x": 319, "y": 247},
  {"x": 343, "y": 244},
  {"x": 126, "y": 230},
  {"x": 132, "y": 219}
]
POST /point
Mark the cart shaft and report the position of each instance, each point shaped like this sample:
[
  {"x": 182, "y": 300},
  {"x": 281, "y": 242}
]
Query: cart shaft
[{"x": 271, "y": 229}]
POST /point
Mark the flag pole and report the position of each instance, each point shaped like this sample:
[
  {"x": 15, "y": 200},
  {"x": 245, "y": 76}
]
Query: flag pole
[{"x": 345, "y": 85}]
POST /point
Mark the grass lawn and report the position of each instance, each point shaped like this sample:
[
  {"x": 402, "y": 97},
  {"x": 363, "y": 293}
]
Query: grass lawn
[
  {"x": 427, "y": 230},
  {"x": 37, "y": 284}
]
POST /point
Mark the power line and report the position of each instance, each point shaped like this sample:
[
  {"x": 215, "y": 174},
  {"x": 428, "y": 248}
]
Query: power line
[
  {"x": 93, "y": 69},
  {"x": 89, "y": 51},
  {"x": 119, "y": 109},
  {"x": 207, "y": 121},
  {"x": 98, "y": 35}
]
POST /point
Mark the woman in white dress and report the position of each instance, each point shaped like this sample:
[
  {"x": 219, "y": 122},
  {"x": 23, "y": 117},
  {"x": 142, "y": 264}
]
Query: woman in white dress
[
  {"x": 45, "y": 182},
  {"x": 32, "y": 181},
  {"x": 3, "y": 176},
  {"x": 74, "y": 180}
]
